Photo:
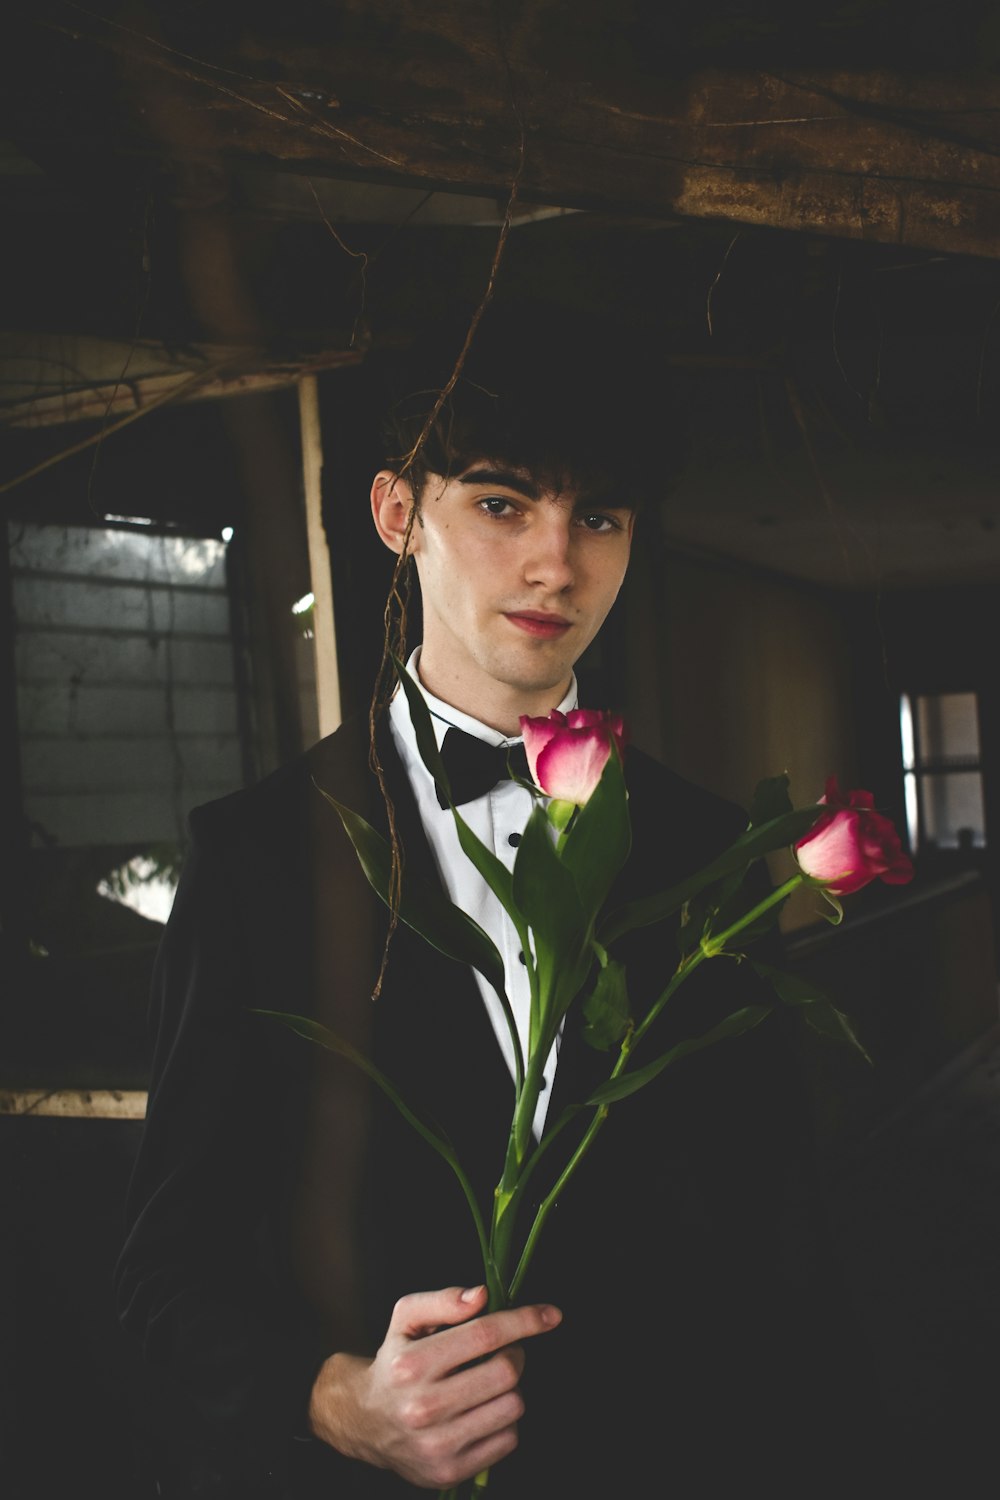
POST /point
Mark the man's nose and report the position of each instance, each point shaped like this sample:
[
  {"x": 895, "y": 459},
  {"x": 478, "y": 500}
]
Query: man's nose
[{"x": 550, "y": 560}]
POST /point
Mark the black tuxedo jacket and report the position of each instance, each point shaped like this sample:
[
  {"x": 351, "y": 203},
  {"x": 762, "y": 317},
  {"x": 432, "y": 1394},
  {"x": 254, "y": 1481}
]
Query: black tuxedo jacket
[{"x": 280, "y": 1205}]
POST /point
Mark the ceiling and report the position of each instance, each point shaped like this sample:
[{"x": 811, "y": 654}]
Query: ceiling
[{"x": 801, "y": 213}]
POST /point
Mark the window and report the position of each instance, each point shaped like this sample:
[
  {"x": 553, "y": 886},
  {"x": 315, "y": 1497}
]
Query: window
[
  {"x": 131, "y": 709},
  {"x": 942, "y": 771}
]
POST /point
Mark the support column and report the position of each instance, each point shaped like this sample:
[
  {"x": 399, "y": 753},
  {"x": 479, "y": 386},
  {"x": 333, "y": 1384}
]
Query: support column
[{"x": 324, "y": 625}]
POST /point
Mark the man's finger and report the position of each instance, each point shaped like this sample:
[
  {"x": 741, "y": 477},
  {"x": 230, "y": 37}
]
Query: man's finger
[
  {"x": 455, "y": 1350},
  {"x": 421, "y": 1313},
  {"x": 496, "y": 1330},
  {"x": 459, "y": 1335}
]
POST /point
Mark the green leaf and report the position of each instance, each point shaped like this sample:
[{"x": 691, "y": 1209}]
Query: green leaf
[
  {"x": 606, "y": 1008},
  {"x": 827, "y": 1020},
  {"x": 751, "y": 845},
  {"x": 815, "y": 1006},
  {"x": 493, "y": 871},
  {"x": 729, "y": 890},
  {"x": 545, "y": 889},
  {"x": 599, "y": 841},
  {"x": 630, "y": 1083},
  {"x": 423, "y": 728},
  {"x": 422, "y": 906},
  {"x": 770, "y": 801},
  {"x": 314, "y": 1031},
  {"x": 791, "y": 989},
  {"x": 836, "y": 915},
  {"x": 694, "y": 917},
  {"x": 715, "y": 909}
]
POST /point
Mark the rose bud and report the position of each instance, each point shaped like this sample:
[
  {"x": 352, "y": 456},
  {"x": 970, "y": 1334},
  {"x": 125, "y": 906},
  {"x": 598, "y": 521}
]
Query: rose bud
[
  {"x": 851, "y": 844},
  {"x": 567, "y": 753}
]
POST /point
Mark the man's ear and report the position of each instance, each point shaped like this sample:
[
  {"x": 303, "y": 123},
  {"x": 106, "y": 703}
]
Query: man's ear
[{"x": 392, "y": 501}]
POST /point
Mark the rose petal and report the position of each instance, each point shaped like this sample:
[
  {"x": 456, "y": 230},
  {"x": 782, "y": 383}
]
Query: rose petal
[
  {"x": 573, "y": 773},
  {"x": 537, "y": 733},
  {"x": 569, "y": 767},
  {"x": 851, "y": 845},
  {"x": 831, "y": 853}
]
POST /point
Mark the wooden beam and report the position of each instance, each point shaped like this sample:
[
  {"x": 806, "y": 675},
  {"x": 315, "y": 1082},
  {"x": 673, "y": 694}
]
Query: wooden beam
[
  {"x": 118, "y": 398},
  {"x": 75, "y": 1104},
  {"x": 321, "y": 578},
  {"x": 430, "y": 95}
]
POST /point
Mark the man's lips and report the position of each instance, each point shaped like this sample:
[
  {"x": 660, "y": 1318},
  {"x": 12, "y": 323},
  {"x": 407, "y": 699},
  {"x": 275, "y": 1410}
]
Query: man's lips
[{"x": 537, "y": 622}]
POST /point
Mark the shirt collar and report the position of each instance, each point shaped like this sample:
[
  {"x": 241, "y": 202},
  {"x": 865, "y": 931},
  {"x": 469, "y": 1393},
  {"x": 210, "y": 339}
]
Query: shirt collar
[{"x": 444, "y": 717}]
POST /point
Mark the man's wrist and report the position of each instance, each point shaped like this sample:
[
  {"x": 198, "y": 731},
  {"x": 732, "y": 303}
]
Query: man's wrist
[{"x": 335, "y": 1411}]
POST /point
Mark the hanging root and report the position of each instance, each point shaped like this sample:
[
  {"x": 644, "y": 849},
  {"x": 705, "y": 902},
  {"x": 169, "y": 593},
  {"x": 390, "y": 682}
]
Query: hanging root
[{"x": 394, "y": 618}]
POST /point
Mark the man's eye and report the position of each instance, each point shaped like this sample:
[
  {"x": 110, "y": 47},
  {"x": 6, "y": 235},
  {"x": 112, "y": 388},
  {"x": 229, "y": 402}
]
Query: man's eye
[
  {"x": 594, "y": 521},
  {"x": 496, "y": 505}
]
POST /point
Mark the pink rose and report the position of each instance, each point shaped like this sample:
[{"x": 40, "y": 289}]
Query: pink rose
[
  {"x": 852, "y": 844},
  {"x": 568, "y": 752}
]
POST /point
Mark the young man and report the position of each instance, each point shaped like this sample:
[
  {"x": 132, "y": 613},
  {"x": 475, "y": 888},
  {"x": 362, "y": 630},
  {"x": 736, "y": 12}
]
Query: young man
[{"x": 298, "y": 1259}]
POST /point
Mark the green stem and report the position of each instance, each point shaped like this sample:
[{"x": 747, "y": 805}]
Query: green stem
[
  {"x": 715, "y": 944},
  {"x": 506, "y": 1195},
  {"x": 520, "y": 1163},
  {"x": 548, "y": 1203},
  {"x": 684, "y": 968},
  {"x": 712, "y": 947},
  {"x": 532, "y": 1161}
]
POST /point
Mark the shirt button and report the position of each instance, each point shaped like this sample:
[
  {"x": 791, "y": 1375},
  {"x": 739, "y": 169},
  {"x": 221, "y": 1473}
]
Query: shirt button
[{"x": 513, "y": 839}]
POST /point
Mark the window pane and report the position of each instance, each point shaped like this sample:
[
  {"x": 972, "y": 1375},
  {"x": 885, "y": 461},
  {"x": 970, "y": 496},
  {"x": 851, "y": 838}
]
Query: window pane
[
  {"x": 912, "y": 809},
  {"x": 126, "y": 694},
  {"x": 948, "y": 730},
  {"x": 953, "y": 810},
  {"x": 906, "y": 732}
]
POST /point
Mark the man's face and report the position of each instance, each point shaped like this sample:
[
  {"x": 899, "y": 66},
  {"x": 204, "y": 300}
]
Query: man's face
[{"x": 516, "y": 581}]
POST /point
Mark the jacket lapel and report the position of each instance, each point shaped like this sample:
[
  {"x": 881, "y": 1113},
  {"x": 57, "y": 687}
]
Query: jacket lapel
[{"x": 435, "y": 1026}]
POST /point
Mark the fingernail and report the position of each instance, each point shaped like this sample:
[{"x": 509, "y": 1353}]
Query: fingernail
[
  {"x": 471, "y": 1294},
  {"x": 551, "y": 1316}
]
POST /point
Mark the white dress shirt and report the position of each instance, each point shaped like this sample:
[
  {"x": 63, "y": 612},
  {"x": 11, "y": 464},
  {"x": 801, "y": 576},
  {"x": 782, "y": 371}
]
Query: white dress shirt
[{"x": 498, "y": 820}]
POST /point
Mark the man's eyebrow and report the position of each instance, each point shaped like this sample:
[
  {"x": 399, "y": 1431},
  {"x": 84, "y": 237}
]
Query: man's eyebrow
[
  {"x": 602, "y": 500},
  {"x": 523, "y": 484},
  {"x": 508, "y": 479}
]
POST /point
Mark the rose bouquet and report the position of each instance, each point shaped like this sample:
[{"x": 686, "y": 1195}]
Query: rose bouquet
[{"x": 576, "y": 842}]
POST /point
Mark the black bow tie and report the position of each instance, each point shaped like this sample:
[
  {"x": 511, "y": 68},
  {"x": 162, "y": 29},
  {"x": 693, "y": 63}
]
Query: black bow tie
[{"x": 473, "y": 767}]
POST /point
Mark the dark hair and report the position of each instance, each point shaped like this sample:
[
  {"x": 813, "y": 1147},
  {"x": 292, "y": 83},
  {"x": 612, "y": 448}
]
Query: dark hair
[{"x": 580, "y": 405}]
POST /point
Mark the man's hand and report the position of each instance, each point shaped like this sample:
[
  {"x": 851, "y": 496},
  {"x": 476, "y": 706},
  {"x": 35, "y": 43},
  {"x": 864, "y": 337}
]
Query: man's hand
[{"x": 439, "y": 1402}]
